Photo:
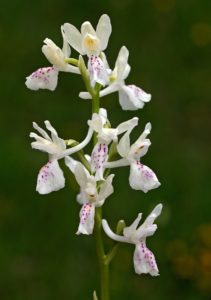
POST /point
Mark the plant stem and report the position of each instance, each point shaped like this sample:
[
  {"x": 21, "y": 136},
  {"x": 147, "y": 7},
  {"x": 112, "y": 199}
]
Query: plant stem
[{"x": 103, "y": 266}]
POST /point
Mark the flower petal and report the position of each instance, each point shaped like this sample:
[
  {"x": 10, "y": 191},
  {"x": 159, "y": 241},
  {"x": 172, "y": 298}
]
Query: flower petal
[
  {"x": 123, "y": 146},
  {"x": 153, "y": 215},
  {"x": 87, "y": 214},
  {"x": 129, "y": 230},
  {"x": 114, "y": 87},
  {"x": 54, "y": 135},
  {"x": 142, "y": 177},
  {"x": 139, "y": 93},
  {"x": 53, "y": 54},
  {"x": 106, "y": 189},
  {"x": 141, "y": 146},
  {"x": 97, "y": 71},
  {"x": 87, "y": 28},
  {"x": 127, "y": 125},
  {"x": 85, "y": 95},
  {"x": 43, "y": 144},
  {"x": 41, "y": 131},
  {"x": 81, "y": 175},
  {"x": 112, "y": 235},
  {"x": 103, "y": 31},
  {"x": 98, "y": 120},
  {"x": 50, "y": 178},
  {"x": 73, "y": 37},
  {"x": 71, "y": 163},
  {"x": 121, "y": 65},
  {"x": 144, "y": 260},
  {"x": 66, "y": 48},
  {"x": 132, "y": 97},
  {"x": 98, "y": 158},
  {"x": 43, "y": 78}
]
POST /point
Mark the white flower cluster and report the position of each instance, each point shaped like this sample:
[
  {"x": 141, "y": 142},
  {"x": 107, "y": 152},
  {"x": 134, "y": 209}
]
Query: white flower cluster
[
  {"x": 91, "y": 172},
  {"x": 89, "y": 42}
]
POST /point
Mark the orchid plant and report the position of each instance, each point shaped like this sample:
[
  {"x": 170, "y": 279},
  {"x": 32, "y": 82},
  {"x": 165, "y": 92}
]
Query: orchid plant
[{"x": 92, "y": 172}]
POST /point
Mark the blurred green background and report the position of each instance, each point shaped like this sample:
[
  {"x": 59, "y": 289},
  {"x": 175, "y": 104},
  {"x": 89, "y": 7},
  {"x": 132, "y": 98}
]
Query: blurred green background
[{"x": 41, "y": 258}]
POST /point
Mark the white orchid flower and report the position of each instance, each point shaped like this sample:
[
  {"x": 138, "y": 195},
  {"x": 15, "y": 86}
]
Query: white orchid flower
[
  {"x": 50, "y": 177},
  {"x": 141, "y": 177},
  {"x": 47, "y": 78},
  {"x": 89, "y": 196},
  {"x": 105, "y": 136},
  {"x": 88, "y": 41},
  {"x": 91, "y": 43},
  {"x": 143, "y": 259},
  {"x": 131, "y": 97}
]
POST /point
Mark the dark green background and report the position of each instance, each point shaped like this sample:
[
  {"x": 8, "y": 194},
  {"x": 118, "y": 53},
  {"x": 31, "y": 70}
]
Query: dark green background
[{"x": 41, "y": 258}]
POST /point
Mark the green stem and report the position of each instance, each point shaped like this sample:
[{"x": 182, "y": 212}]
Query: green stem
[
  {"x": 72, "y": 61},
  {"x": 95, "y": 109},
  {"x": 111, "y": 254},
  {"x": 104, "y": 268}
]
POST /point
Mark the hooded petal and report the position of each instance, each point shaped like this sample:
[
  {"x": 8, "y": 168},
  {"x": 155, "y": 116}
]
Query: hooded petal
[
  {"x": 87, "y": 214},
  {"x": 53, "y": 54},
  {"x": 87, "y": 28},
  {"x": 73, "y": 37},
  {"x": 91, "y": 42},
  {"x": 97, "y": 71},
  {"x": 50, "y": 178},
  {"x": 142, "y": 178},
  {"x": 57, "y": 56},
  {"x": 103, "y": 31},
  {"x": 98, "y": 120},
  {"x": 43, "y": 78},
  {"x": 144, "y": 260}
]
